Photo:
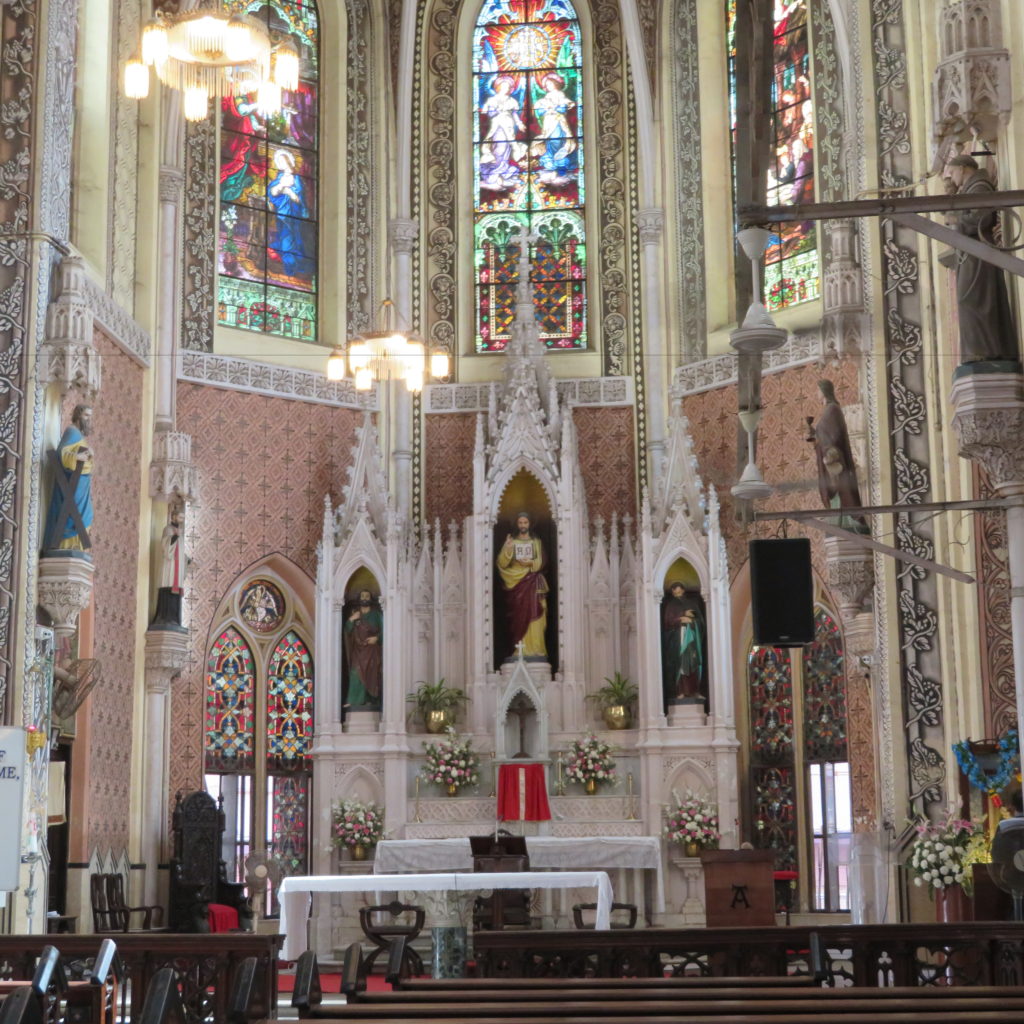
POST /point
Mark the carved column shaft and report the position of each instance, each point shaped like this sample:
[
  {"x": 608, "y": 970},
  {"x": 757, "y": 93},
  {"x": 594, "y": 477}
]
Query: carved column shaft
[
  {"x": 651, "y": 223},
  {"x": 403, "y": 234}
]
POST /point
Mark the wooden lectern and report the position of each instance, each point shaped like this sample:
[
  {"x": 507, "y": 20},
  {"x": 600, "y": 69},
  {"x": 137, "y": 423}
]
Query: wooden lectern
[{"x": 739, "y": 887}]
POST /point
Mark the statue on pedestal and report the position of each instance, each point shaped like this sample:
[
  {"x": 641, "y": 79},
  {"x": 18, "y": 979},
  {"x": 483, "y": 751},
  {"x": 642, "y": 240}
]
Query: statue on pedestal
[
  {"x": 837, "y": 474},
  {"x": 364, "y": 656},
  {"x": 70, "y": 512},
  {"x": 987, "y": 330},
  {"x": 682, "y": 645}
]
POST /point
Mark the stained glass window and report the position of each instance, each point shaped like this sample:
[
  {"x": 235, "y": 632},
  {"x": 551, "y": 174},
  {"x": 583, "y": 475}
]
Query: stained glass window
[
  {"x": 824, "y": 692},
  {"x": 528, "y": 168},
  {"x": 268, "y": 192},
  {"x": 229, "y": 704},
  {"x": 791, "y": 261},
  {"x": 289, "y": 704}
]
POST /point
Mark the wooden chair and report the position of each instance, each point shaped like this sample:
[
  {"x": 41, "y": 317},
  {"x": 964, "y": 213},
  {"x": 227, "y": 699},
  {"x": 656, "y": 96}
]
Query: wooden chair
[
  {"x": 110, "y": 911},
  {"x": 381, "y": 933},
  {"x": 627, "y": 910}
]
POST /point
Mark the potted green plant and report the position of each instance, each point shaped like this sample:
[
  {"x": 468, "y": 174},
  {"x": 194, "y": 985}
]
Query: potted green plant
[
  {"x": 437, "y": 704},
  {"x": 616, "y": 700}
]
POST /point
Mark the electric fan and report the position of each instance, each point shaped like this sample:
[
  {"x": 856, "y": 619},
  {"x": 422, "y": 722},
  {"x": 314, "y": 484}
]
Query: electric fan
[
  {"x": 263, "y": 873},
  {"x": 1007, "y": 867}
]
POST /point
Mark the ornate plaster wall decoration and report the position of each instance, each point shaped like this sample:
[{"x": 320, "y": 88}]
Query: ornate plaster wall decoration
[
  {"x": 362, "y": 119},
  {"x": 689, "y": 184},
  {"x": 456, "y": 398},
  {"x": 124, "y": 199},
  {"x": 200, "y": 235},
  {"x": 923, "y": 713}
]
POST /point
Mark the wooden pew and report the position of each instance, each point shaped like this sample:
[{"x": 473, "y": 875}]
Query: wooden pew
[{"x": 163, "y": 1000}]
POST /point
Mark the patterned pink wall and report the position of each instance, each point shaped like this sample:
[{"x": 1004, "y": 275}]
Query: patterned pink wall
[
  {"x": 265, "y": 465},
  {"x": 116, "y": 483},
  {"x": 448, "y": 466},
  {"x": 607, "y": 450}
]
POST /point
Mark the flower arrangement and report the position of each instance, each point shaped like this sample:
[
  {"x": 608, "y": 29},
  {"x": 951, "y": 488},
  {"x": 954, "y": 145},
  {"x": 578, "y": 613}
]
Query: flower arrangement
[
  {"x": 452, "y": 762},
  {"x": 1008, "y": 752},
  {"x": 693, "y": 820},
  {"x": 938, "y": 857},
  {"x": 357, "y": 824},
  {"x": 590, "y": 762}
]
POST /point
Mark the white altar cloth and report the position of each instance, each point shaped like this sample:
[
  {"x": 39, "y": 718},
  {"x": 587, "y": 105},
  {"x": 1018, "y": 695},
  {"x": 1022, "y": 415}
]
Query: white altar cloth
[
  {"x": 598, "y": 853},
  {"x": 296, "y": 892}
]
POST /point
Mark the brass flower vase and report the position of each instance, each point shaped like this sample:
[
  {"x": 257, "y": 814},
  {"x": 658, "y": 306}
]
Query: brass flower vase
[
  {"x": 452, "y": 789},
  {"x": 436, "y": 721},
  {"x": 591, "y": 786},
  {"x": 692, "y": 849},
  {"x": 359, "y": 852},
  {"x": 616, "y": 716}
]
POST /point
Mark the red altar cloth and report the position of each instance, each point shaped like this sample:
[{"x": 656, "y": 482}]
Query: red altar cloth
[
  {"x": 522, "y": 794},
  {"x": 222, "y": 918}
]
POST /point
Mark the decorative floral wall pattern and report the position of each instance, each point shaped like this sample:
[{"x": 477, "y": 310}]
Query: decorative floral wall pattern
[
  {"x": 116, "y": 437},
  {"x": 448, "y": 467},
  {"x": 264, "y": 466}
]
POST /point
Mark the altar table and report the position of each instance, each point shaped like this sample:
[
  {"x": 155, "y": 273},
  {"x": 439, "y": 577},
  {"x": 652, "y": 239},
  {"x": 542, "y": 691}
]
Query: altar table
[
  {"x": 296, "y": 892},
  {"x": 598, "y": 853}
]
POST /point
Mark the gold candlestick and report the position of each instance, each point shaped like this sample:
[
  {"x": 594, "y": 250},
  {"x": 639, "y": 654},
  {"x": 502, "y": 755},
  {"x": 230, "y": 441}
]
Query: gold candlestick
[
  {"x": 417, "y": 818},
  {"x": 630, "y": 816},
  {"x": 494, "y": 769},
  {"x": 560, "y": 782}
]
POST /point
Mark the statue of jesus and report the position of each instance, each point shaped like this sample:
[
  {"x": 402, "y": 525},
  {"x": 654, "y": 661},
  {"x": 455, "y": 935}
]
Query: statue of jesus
[{"x": 520, "y": 564}]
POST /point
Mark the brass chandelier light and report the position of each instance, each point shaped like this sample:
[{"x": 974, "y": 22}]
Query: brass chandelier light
[{"x": 210, "y": 52}]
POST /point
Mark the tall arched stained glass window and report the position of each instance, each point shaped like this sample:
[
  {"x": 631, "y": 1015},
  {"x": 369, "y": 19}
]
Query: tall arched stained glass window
[
  {"x": 791, "y": 261},
  {"x": 229, "y": 704},
  {"x": 528, "y": 168},
  {"x": 268, "y": 192}
]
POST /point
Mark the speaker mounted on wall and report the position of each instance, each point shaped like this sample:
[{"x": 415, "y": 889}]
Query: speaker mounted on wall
[{"x": 782, "y": 592}]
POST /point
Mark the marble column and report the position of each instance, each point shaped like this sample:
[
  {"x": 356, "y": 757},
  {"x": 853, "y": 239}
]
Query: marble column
[
  {"x": 988, "y": 418},
  {"x": 166, "y": 654},
  {"x": 402, "y": 234}
]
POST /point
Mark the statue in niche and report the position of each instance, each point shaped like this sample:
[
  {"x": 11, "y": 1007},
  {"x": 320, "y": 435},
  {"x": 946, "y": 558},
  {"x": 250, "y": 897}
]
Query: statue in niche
[
  {"x": 837, "y": 474},
  {"x": 987, "y": 331},
  {"x": 70, "y": 512},
  {"x": 683, "y": 645},
  {"x": 520, "y": 565},
  {"x": 364, "y": 655},
  {"x": 173, "y": 566}
]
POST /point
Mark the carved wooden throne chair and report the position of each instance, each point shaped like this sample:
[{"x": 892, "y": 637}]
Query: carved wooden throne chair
[{"x": 198, "y": 872}]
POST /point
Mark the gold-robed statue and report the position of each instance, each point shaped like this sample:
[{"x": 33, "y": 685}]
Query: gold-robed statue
[{"x": 520, "y": 563}]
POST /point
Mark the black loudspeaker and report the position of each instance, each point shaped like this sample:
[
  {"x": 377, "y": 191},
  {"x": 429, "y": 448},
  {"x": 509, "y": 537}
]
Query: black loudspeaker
[{"x": 782, "y": 592}]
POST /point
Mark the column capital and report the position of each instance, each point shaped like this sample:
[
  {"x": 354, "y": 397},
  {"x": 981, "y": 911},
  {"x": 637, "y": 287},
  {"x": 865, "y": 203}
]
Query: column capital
[
  {"x": 172, "y": 184},
  {"x": 166, "y": 655},
  {"x": 988, "y": 418},
  {"x": 402, "y": 233},
  {"x": 650, "y": 222},
  {"x": 64, "y": 588}
]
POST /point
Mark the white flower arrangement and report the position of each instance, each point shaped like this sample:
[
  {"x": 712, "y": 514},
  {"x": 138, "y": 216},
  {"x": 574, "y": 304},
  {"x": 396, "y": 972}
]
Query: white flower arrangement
[
  {"x": 357, "y": 824},
  {"x": 451, "y": 762},
  {"x": 937, "y": 858},
  {"x": 590, "y": 758},
  {"x": 692, "y": 820}
]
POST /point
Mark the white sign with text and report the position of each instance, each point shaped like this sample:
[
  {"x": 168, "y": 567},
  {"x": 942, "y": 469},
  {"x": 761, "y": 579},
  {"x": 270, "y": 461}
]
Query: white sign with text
[{"x": 12, "y": 788}]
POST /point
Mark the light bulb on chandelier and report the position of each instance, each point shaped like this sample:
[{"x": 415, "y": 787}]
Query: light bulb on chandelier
[{"x": 210, "y": 51}]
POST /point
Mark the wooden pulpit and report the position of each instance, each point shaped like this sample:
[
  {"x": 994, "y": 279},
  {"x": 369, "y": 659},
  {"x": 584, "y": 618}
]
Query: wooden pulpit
[{"x": 739, "y": 887}]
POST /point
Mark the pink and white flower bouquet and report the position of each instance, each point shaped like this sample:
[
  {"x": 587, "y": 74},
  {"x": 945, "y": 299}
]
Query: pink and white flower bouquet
[
  {"x": 357, "y": 824},
  {"x": 938, "y": 856},
  {"x": 452, "y": 762},
  {"x": 590, "y": 760},
  {"x": 692, "y": 820}
]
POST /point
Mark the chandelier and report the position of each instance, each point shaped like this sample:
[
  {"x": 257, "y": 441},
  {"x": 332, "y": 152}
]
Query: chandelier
[
  {"x": 386, "y": 354},
  {"x": 211, "y": 52}
]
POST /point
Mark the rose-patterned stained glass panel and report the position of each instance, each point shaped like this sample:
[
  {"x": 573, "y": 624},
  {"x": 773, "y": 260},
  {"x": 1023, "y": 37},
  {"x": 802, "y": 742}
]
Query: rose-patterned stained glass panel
[
  {"x": 290, "y": 705},
  {"x": 527, "y": 166},
  {"x": 288, "y": 820},
  {"x": 774, "y": 812},
  {"x": 269, "y": 220},
  {"x": 824, "y": 696},
  {"x": 770, "y": 680},
  {"x": 229, "y": 726}
]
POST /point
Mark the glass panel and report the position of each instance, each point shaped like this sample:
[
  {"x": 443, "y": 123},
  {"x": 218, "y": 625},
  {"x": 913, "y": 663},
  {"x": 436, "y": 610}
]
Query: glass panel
[
  {"x": 290, "y": 705},
  {"x": 288, "y": 826},
  {"x": 268, "y": 191},
  {"x": 236, "y": 791},
  {"x": 824, "y": 692},
  {"x": 774, "y": 806},
  {"x": 229, "y": 704},
  {"x": 528, "y": 158}
]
